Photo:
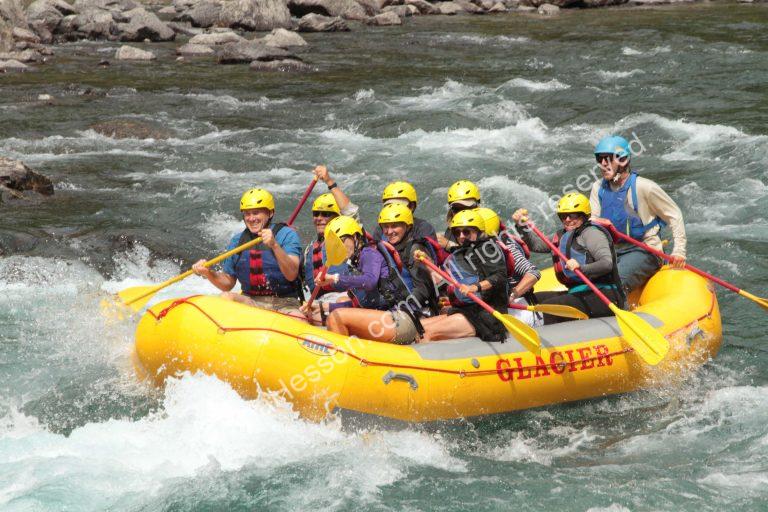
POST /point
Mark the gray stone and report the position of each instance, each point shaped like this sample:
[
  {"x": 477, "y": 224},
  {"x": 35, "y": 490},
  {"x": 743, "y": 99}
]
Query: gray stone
[
  {"x": 167, "y": 10},
  {"x": 13, "y": 12},
  {"x": 6, "y": 36},
  {"x": 320, "y": 23},
  {"x": 385, "y": 19},
  {"x": 371, "y": 7},
  {"x": 129, "y": 129},
  {"x": 556, "y": 3},
  {"x": 16, "y": 178},
  {"x": 248, "y": 51},
  {"x": 497, "y": 7},
  {"x": 44, "y": 17},
  {"x": 283, "y": 66},
  {"x": 401, "y": 11},
  {"x": 469, "y": 7},
  {"x": 22, "y": 56},
  {"x": 204, "y": 14},
  {"x": 258, "y": 15},
  {"x": 194, "y": 50},
  {"x": 602, "y": 3},
  {"x": 423, "y": 6},
  {"x": 106, "y": 5},
  {"x": 347, "y": 9},
  {"x": 133, "y": 53},
  {"x": 282, "y": 38},
  {"x": 92, "y": 24},
  {"x": 184, "y": 29},
  {"x": 548, "y": 9},
  {"x": 144, "y": 25},
  {"x": 217, "y": 38},
  {"x": 449, "y": 8},
  {"x": 12, "y": 65},
  {"x": 22, "y": 34}
]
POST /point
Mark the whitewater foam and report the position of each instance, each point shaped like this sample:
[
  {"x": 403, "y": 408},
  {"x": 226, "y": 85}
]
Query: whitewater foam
[{"x": 531, "y": 85}]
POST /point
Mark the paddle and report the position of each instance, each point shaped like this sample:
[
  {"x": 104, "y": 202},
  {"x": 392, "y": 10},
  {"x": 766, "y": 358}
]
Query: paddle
[
  {"x": 335, "y": 254},
  {"x": 641, "y": 336},
  {"x": 525, "y": 334},
  {"x": 552, "y": 309},
  {"x": 137, "y": 296},
  {"x": 763, "y": 303}
]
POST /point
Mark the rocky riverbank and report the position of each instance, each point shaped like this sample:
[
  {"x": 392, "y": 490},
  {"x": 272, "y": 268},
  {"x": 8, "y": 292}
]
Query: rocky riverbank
[{"x": 227, "y": 31}]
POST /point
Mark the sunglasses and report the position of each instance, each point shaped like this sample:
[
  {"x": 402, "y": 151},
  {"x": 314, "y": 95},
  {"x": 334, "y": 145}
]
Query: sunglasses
[
  {"x": 564, "y": 216},
  {"x": 456, "y": 208},
  {"x": 467, "y": 232},
  {"x": 608, "y": 156},
  {"x": 327, "y": 215}
]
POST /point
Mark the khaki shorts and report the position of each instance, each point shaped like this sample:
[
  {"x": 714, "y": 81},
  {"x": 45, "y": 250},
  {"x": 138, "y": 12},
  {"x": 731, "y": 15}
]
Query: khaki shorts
[
  {"x": 282, "y": 304},
  {"x": 405, "y": 330}
]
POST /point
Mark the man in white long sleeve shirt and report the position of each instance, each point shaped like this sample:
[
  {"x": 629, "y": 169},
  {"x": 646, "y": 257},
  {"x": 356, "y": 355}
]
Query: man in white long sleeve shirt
[{"x": 637, "y": 207}]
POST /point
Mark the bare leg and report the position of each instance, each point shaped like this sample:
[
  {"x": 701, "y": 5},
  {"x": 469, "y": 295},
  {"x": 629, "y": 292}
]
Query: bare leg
[
  {"x": 369, "y": 324},
  {"x": 446, "y": 327}
]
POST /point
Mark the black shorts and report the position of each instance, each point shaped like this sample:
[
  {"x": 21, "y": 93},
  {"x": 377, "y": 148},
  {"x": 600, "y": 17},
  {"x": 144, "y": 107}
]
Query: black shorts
[{"x": 487, "y": 328}]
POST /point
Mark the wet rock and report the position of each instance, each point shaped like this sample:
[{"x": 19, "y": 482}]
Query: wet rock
[
  {"x": 25, "y": 35},
  {"x": 16, "y": 178},
  {"x": 401, "y": 11},
  {"x": 133, "y": 53},
  {"x": 449, "y": 8},
  {"x": 385, "y": 19},
  {"x": 185, "y": 29},
  {"x": 90, "y": 24},
  {"x": 44, "y": 17},
  {"x": 371, "y": 7},
  {"x": 144, "y": 25},
  {"x": 217, "y": 38},
  {"x": 6, "y": 36},
  {"x": 469, "y": 7},
  {"x": 497, "y": 7},
  {"x": 347, "y": 9},
  {"x": 107, "y": 5},
  {"x": 258, "y": 15},
  {"x": 129, "y": 129},
  {"x": 320, "y": 23},
  {"x": 12, "y": 65},
  {"x": 282, "y": 38},
  {"x": 423, "y": 6},
  {"x": 556, "y": 3},
  {"x": 13, "y": 13},
  {"x": 548, "y": 9},
  {"x": 283, "y": 66},
  {"x": 249, "y": 51},
  {"x": 23, "y": 56},
  {"x": 167, "y": 10},
  {"x": 195, "y": 50},
  {"x": 204, "y": 14},
  {"x": 602, "y": 3}
]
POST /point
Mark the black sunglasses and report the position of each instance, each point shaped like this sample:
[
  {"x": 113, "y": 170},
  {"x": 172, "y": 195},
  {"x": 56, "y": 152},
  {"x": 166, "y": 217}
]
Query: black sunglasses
[
  {"x": 323, "y": 214},
  {"x": 608, "y": 156},
  {"x": 467, "y": 232},
  {"x": 564, "y": 216}
]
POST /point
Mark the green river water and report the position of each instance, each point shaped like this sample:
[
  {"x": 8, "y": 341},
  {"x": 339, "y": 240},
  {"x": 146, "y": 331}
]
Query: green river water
[{"x": 513, "y": 102}]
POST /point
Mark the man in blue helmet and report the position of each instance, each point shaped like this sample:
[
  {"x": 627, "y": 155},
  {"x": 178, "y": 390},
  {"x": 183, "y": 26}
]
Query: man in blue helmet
[{"x": 637, "y": 207}]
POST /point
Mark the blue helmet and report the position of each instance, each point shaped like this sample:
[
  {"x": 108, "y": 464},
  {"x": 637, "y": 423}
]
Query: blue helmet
[{"x": 613, "y": 144}]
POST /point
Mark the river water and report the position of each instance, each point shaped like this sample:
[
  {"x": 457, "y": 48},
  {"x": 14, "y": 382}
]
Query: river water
[{"x": 512, "y": 102}]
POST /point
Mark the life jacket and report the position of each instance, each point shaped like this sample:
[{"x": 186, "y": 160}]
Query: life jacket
[
  {"x": 392, "y": 289},
  {"x": 437, "y": 252},
  {"x": 462, "y": 270},
  {"x": 313, "y": 262},
  {"x": 614, "y": 206},
  {"x": 260, "y": 274},
  {"x": 565, "y": 242}
]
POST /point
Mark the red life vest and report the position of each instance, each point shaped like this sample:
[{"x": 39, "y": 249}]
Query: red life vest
[
  {"x": 257, "y": 278},
  {"x": 317, "y": 257},
  {"x": 440, "y": 253},
  {"x": 509, "y": 258}
]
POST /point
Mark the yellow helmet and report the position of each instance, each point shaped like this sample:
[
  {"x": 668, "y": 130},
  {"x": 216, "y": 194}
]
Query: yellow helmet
[
  {"x": 257, "y": 198},
  {"x": 573, "y": 202},
  {"x": 468, "y": 219},
  {"x": 343, "y": 226},
  {"x": 326, "y": 203},
  {"x": 400, "y": 190},
  {"x": 463, "y": 190},
  {"x": 396, "y": 212},
  {"x": 491, "y": 219}
]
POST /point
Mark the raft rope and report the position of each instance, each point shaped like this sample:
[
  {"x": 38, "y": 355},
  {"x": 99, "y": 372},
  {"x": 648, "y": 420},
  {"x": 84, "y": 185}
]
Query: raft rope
[{"x": 365, "y": 362}]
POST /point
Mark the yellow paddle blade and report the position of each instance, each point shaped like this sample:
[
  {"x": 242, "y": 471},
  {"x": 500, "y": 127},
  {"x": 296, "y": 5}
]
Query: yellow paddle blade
[
  {"x": 137, "y": 297},
  {"x": 559, "y": 310},
  {"x": 760, "y": 301},
  {"x": 112, "y": 310},
  {"x": 335, "y": 251},
  {"x": 646, "y": 341},
  {"x": 522, "y": 332}
]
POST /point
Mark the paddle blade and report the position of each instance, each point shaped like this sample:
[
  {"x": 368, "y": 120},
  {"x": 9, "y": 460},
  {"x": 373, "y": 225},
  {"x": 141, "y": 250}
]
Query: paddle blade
[
  {"x": 646, "y": 341},
  {"x": 522, "y": 332},
  {"x": 335, "y": 251},
  {"x": 760, "y": 301},
  {"x": 559, "y": 310},
  {"x": 137, "y": 297}
]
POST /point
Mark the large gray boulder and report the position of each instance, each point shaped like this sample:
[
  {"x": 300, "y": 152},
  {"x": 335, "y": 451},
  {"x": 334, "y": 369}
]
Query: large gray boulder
[
  {"x": 347, "y": 9},
  {"x": 449, "y": 8},
  {"x": 548, "y": 9},
  {"x": 12, "y": 65},
  {"x": 195, "y": 50},
  {"x": 93, "y": 23},
  {"x": 12, "y": 12},
  {"x": 249, "y": 51},
  {"x": 106, "y": 5},
  {"x": 259, "y": 15},
  {"x": 16, "y": 177},
  {"x": 23, "y": 56},
  {"x": 282, "y": 38},
  {"x": 133, "y": 53},
  {"x": 423, "y": 6},
  {"x": 204, "y": 14},
  {"x": 385, "y": 19},
  {"x": 144, "y": 25},
  {"x": 371, "y": 7},
  {"x": 320, "y": 23},
  {"x": 44, "y": 17},
  {"x": 216, "y": 38}
]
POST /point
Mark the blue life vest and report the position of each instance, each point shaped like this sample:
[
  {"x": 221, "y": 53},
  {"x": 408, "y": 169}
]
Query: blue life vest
[
  {"x": 258, "y": 271},
  {"x": 314, "y": 256},
  {"x": 614, "y": 207},
  {"x": 390, "y": 290},
  {"x": 565, "y": 242}
]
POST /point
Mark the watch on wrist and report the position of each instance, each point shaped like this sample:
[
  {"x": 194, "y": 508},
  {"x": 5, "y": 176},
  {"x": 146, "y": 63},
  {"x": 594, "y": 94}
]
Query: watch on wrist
[{"x": 332, "y": 186}]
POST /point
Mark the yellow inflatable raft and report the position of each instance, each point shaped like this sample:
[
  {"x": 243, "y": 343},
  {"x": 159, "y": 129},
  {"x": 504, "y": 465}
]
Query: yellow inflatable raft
[{"x": 323, "y": 373}]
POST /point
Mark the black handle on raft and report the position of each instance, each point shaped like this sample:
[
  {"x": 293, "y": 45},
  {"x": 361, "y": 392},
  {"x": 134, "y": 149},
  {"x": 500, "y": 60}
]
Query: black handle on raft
[{"x": 390, "y": 376}]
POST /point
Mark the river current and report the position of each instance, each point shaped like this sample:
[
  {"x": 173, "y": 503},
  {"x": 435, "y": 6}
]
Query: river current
[{"x": 513, "y": 102}]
